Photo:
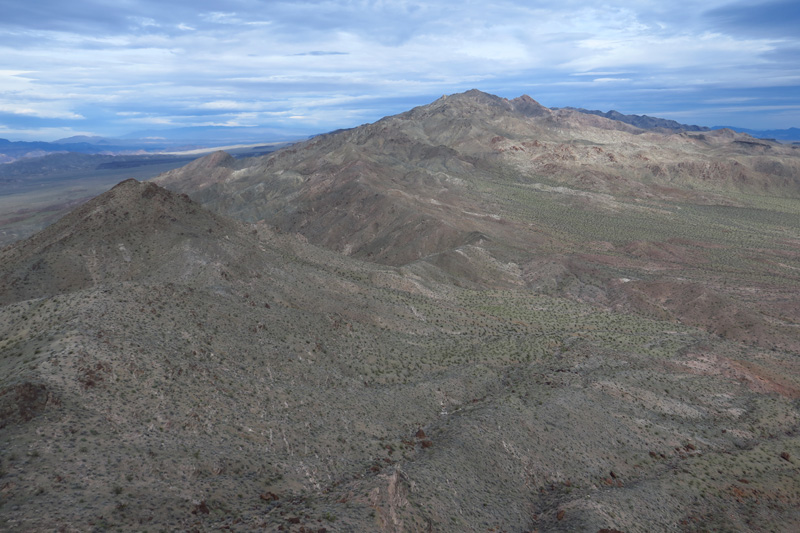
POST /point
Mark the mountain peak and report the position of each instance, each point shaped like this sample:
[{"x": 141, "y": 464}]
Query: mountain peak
[
  {"x": 529, "y": 107},
  {"x": 476, "y": 96},
  {"x": 523, "y": 104},
  {"x": 123, "y": 234},
  {"x": 130, "y": 206}
]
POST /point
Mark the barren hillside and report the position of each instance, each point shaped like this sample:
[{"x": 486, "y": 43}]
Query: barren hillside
[{"x": 479, "y": 315}]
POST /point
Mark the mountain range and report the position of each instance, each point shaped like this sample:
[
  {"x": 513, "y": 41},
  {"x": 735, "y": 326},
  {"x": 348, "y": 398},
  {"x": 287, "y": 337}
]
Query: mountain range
[
  {"x": 654, "y": 123},
  {"x": 188, "y": 138},
  {"x": 143, "y": 142},
  {"x": 645, "y": 121},
  {"x": 478, "y": 315}
]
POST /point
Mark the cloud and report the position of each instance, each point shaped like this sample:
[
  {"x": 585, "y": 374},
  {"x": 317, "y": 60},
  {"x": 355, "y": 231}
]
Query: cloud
[
  {"x": 39, "y": 112},
  {"x": 732, "y": 100},
  {"x": 611, "y": 80},
  {"x": 218, "y": 17},
  {"x": 776, "y": 19},
  {"x": 39, "y": 133},
  {"x": 144, "y": 22},
  {"x": 224, "y": 105},
  {"x": 337, "y": 62},
  {"x": 322, "y": 53},
  {"x": 158, "y": 120}
]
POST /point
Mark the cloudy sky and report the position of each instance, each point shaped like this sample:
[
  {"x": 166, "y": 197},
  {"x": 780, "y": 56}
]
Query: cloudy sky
[{"x": 301, "y": 67}]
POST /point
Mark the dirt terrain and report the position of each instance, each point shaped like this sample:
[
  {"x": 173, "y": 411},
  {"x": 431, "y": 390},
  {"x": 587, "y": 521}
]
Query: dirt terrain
[{"x": 479, "y": 315}]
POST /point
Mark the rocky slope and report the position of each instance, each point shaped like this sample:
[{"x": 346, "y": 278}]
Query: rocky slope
[
  {"x": 485, "y": 189},
  {"x": 433, "y": 175},
  {"x": 643, "y": 121},
  {"x": 518, "y": 353}
]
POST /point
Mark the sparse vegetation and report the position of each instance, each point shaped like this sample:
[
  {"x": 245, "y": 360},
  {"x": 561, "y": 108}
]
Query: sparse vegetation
[{"x": 588, "y": 369}]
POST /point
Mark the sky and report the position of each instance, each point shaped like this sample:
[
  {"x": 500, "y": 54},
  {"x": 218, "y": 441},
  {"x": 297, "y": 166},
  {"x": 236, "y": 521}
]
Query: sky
[{"x": 279, "y": 68}]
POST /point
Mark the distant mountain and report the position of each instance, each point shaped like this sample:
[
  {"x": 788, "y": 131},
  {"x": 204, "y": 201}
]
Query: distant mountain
[
  {"x": 652, "y": 123},
  {"x": 175, "y": 140},
  {"x": 14, "y": 150},
  {"x": 466, "y": 177},
  {"x": 791, "y": 134},
  {"x": 642, "y": 121},
  {"x": 459, "y": 185},
  {"x": 339, "y": 189},
  {"x": 60, "y": 164}
]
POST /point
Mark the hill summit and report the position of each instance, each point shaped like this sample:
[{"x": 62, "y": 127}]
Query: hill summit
[{"x": 128, "y": 233}]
